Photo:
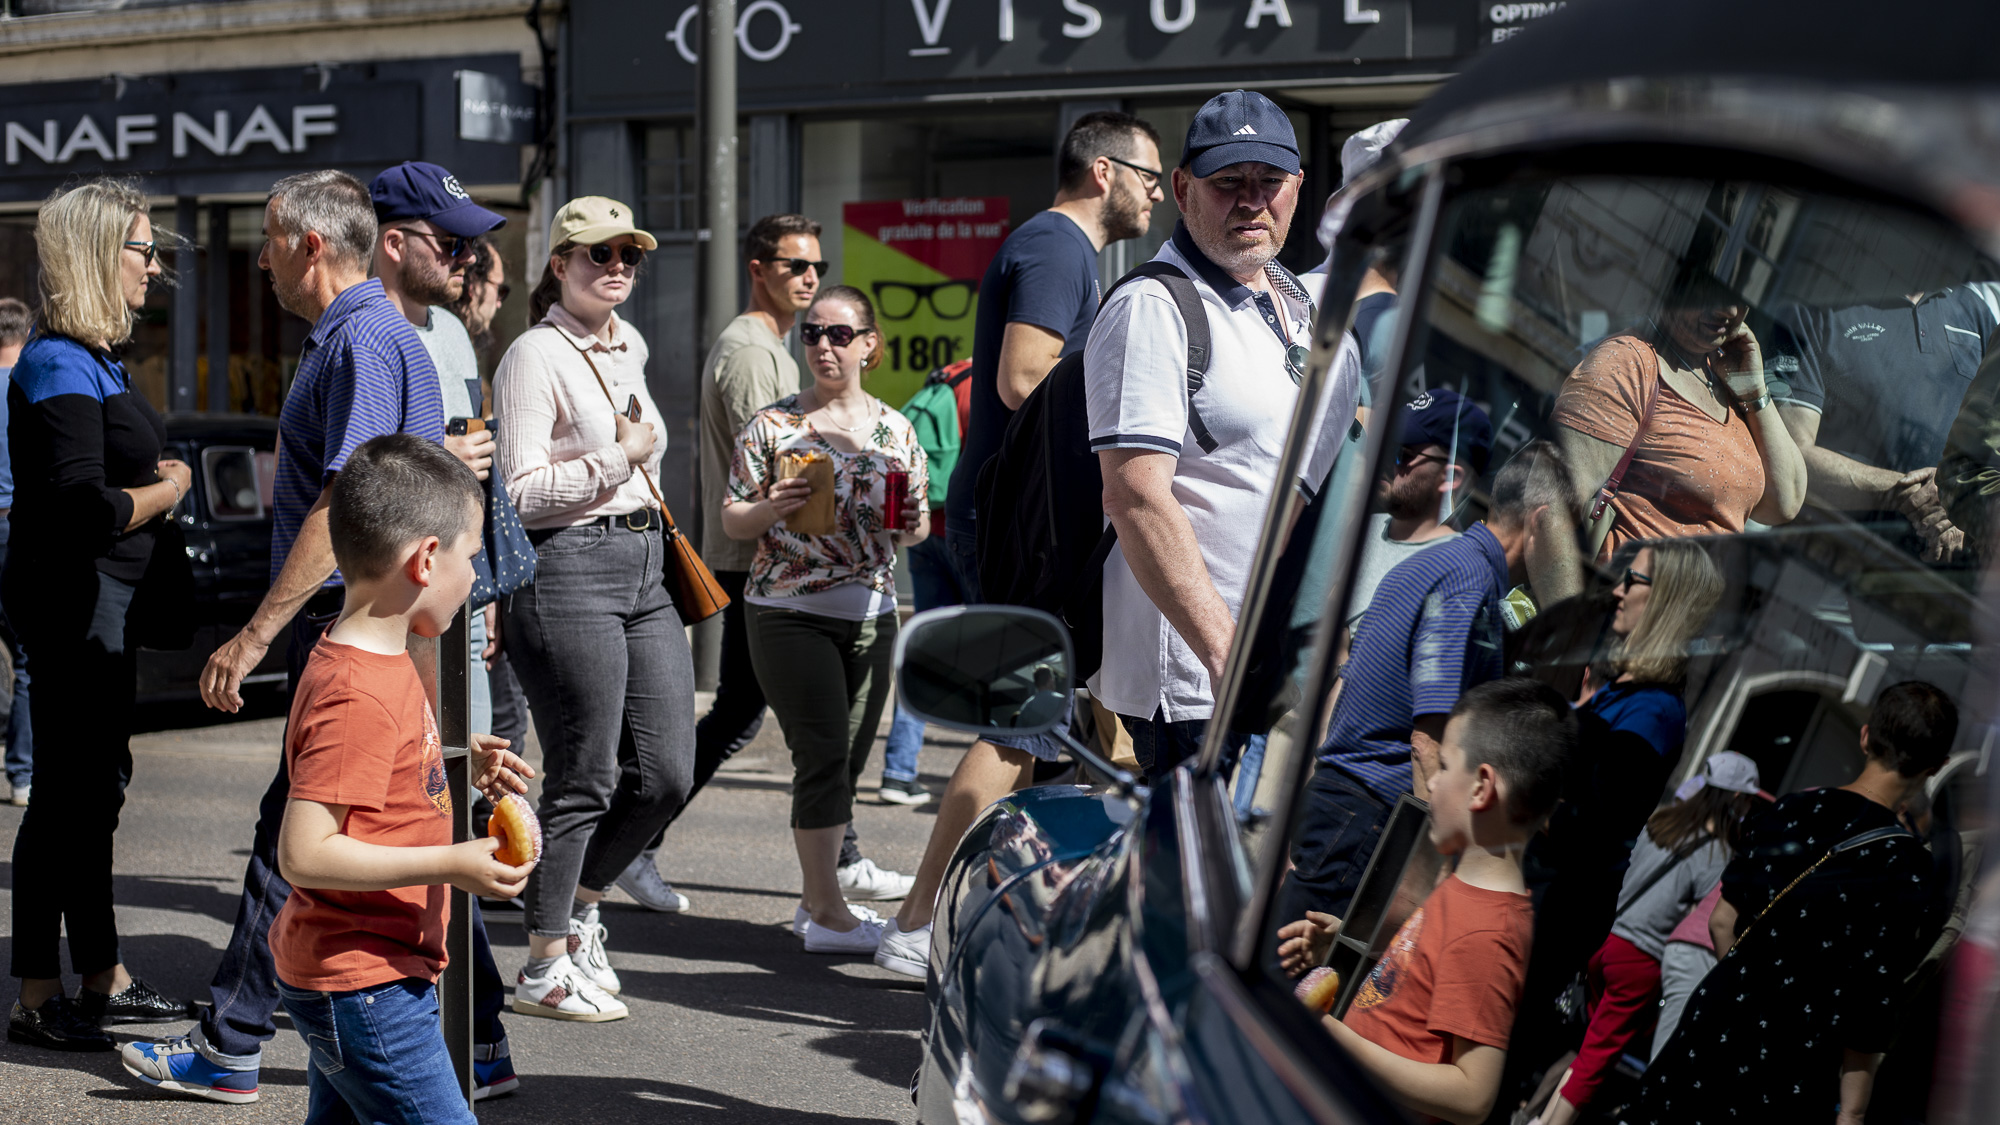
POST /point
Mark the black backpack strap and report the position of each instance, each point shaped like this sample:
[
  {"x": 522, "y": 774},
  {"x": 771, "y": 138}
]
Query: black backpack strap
[{"x": 1195, "y": 317}]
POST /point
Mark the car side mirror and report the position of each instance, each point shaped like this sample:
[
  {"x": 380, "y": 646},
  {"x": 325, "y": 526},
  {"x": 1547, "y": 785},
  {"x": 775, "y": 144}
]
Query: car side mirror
[{"x": 987, "y": 668}]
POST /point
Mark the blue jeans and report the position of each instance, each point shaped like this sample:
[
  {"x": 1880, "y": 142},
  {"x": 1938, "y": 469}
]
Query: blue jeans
[
  {"x": 1247, "y": 772},
  {"x": 20, "y": 732},
  {"x": 1338, "y": 829},
  {"x": 936, "y": 585},
  {"x": 479, "y": 720},
  {"x": 245, "y": 988},
  {"x": 377, "y": 1054}
]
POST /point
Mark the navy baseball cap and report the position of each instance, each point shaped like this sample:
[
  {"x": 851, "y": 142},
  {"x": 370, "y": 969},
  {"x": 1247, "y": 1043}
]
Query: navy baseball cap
[
  {"x": 415, "y": 190},
  {"x": 1445, "y": 417},
  {"x": 1238, "y": 126}
]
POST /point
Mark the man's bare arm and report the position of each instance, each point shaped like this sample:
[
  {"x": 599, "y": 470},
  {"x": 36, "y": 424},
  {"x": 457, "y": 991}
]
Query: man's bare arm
[
  {"x": 306, "y": 569},
  {"x": 1027, "y": 352},
  {"x": 1160, "y": 547}
]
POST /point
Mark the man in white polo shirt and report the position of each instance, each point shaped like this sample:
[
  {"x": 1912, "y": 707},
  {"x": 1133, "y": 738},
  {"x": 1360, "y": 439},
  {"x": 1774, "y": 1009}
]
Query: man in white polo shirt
[{"x": 1188, "y": 518}]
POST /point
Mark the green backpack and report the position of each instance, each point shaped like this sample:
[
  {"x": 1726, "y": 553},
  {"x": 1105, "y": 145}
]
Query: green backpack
[{"x": 933, "y": 413}]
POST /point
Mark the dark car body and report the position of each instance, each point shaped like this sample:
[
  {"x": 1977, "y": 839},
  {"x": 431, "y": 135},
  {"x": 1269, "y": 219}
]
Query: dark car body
[
  {"x": 227, "y": 521},
  {"x": 1099, "y": 957}
]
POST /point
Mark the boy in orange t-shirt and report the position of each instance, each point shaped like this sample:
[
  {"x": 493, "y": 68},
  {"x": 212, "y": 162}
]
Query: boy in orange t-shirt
[
  {"x": 366, "y": 840},
  {"x": 1431, "y": 1021}
]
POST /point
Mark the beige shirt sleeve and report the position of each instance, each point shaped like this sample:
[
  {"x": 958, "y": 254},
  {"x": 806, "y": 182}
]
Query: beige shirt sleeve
[{"x": 535, "y": 416}]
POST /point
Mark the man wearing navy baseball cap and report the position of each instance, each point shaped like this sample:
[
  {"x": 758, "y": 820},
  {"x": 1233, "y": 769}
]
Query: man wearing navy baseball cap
[{"x": 1187, "y": 473}]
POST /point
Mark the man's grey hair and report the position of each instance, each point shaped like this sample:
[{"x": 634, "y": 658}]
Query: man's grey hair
[
  {"x": 333, "y": 204},
  {"x": 15, "y": 322}
]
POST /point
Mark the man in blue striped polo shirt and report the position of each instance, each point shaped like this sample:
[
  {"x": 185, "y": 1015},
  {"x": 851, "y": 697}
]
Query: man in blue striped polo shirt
[
  {"x": 363, "y": 372},
  {"x": 1432, "y": 631}
]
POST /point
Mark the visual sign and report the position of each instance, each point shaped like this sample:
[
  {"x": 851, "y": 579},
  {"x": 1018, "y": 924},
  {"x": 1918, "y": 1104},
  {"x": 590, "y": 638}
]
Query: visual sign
[
  {"x": 494, "y": 107},
  {"x": 920, "y": 261}
]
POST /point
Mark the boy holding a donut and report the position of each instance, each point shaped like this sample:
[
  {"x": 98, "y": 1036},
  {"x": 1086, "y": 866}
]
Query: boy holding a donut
[{"x": 366, "y": 841}]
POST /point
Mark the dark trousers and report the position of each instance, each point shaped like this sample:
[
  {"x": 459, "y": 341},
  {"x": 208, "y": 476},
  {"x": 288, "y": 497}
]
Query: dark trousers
[
  {"x": 510, "y": 705},
  {"x": 1339, "y": 827},
  {"x": 1160, "y": 745},
  {"x": 62, "y": 854},
  {"x": 738, "y": 711},
  {"x": 244, "y": 989},
  {"x": 20, "y": 730}
]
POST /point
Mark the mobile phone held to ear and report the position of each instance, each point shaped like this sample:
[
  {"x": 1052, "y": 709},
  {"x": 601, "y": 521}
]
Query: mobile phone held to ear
[
  {"x": 459, "y": 427},
  {"x": 632, "y": 410}
]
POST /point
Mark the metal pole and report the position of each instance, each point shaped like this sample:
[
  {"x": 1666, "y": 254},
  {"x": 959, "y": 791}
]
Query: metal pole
[
  {"x": 720, "y": 271},
  {"x": 186, "y": 318},
  {"x": 220, "y": 401},
  {"x": 454, "y": 719}
]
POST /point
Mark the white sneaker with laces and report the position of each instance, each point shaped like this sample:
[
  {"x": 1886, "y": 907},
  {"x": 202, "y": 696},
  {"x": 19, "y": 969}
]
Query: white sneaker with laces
[
  {"x": 862, "y": 881},
  {"x": 586, "y": 951},
  {"x": 800, "y": 917},
  {"x": 566, "y": 994},
  {"x": 859, "y": 941},
  {"x": 905, "y": 953},
  {"x": 642, "y": 881}
]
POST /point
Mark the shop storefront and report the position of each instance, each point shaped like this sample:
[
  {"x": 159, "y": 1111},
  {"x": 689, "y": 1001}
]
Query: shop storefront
[
  {"x": 206, "y": 147},
  {"x": 873, "y": 101}
]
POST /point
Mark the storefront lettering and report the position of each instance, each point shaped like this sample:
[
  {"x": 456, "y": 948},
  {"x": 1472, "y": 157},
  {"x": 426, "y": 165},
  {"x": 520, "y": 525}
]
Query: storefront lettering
[
  {"x": 1261, "y": 8},
  {"x": 682, "y": 35},
  {"x": 1092, "y": 20},
  {"x": 1514, "y": 16},
  {"x": 129, "y": 131},
  {"x": 1177, "y": 24}
]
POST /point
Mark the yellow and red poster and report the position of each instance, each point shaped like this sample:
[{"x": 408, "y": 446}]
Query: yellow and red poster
[{"x": 920, "y": 261}]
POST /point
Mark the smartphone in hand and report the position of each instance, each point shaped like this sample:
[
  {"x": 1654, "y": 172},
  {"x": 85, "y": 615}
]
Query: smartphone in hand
[{"x": 632, "y": 410}]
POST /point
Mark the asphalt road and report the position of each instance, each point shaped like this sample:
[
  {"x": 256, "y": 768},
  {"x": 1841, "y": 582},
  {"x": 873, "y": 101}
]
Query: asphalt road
[{"x": 732, "y": 1022}]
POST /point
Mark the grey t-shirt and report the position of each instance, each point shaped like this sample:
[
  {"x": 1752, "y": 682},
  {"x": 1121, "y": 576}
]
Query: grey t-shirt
[
  {"x": 457, "y": 363},
  {"x": 1380, "y": 555},
  {"x": 1649, "y": 919},
  {"x": 747, "y": 370}
]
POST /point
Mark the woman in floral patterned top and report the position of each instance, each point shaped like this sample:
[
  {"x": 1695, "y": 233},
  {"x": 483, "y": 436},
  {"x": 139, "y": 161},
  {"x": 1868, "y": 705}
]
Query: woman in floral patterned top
[{"x": 822, "y": 608}]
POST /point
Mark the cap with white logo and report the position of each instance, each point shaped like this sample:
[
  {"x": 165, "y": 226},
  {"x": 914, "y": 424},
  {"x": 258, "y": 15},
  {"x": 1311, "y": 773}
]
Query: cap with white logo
[
  {"x": 591, "y": 219},
  {"x": 1238, "y": 126},
  {"x": 416, "y": 190}
]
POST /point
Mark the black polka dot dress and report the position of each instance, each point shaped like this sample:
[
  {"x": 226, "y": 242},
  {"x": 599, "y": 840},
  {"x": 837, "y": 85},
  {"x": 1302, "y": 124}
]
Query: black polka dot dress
[{"x": 1763, "y": 1034}]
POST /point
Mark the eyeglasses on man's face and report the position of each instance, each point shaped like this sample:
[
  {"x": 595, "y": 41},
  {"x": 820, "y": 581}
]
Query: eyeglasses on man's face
[
  {"x": 798, "y": 266},
  {"x": 1149, "y": 178},
  {"x": 450, "y": 245}
]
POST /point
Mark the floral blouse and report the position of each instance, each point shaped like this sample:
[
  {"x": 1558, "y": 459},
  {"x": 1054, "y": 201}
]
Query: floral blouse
[{"x": 859, "y": 550}]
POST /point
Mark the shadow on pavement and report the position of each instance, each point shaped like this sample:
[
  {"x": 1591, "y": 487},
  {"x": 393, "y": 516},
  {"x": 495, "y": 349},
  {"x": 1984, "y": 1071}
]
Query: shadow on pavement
[{"x": 613, "y": 1101}]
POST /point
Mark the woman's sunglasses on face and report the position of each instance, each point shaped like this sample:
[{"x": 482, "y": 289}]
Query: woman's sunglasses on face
[
  {"x": 840, "y": 334},
  {"x": 602, "y": 253},
  {"x": 1633, "y": 578},
  {"x": 149, "y": 250}
]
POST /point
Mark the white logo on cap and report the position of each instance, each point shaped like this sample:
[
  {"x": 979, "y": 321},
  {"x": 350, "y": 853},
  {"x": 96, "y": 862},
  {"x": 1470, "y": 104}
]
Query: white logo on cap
[
  {"x": 452, "y": 189},
  {"x": 1422, "y": 402},
  {"x": 1245, "y": 131}
]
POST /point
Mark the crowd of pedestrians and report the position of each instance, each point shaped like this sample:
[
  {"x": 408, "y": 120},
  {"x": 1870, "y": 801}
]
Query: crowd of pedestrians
[{"x": 1579, "y": 913}]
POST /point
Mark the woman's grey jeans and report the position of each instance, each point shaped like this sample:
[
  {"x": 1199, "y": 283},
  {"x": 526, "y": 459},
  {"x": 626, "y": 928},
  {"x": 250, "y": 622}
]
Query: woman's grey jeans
[{"x": 603, "y": 660}]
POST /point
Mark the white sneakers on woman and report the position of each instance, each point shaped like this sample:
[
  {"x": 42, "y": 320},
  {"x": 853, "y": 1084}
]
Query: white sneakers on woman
[
  {"x": 800, "y": 917},
  {"x": 566, "y": 994},
  {"x": 859, "y": 941},
  {"x": 586, "y": 952},
  {"x": 905, "y": 953}
]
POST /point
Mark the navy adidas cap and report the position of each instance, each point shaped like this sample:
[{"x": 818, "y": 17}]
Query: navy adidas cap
[
  {"x": 1445, "y": 417},
  {"x": 415, "y": 190},
  {"x": 1238, "y": 126}
]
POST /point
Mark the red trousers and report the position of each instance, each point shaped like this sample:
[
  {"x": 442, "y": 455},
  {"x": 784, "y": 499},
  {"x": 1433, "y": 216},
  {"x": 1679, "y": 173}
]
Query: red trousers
[{"x": 1624, "y": 987}]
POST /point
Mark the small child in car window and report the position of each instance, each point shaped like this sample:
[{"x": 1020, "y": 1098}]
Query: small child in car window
[{"x": 1431, "y": 1021}]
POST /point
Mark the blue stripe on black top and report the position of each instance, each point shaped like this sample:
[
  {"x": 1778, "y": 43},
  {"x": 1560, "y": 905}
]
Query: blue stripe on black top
[
  {"x": 364, "y": 372},
  {"x": 1432, "y": 631}
]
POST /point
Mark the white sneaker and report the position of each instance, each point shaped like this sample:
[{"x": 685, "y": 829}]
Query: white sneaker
[
  {"x": 19, "y": 799},
  {"x": 859, "y": 941},
  {"x": 865, "y": 882},
  {"x": 566, "y": 994},
  {"x": 905, "y": 953},
  {"x": 586, "y": 951},
  {"x": 800, "y": 917},
  {"x": 642, "y": 881}
]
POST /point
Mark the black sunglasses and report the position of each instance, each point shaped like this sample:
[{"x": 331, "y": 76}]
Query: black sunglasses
[
  {"x": 1409, "y": 457},
  {"x": 450, "y": 245},
  {"x": 630, "y": 254},
  {"x": 1635, "y": 578},
  {"x": 151, "y": 250},
  {"x": 797, "y": 266},
  {"x": 840, "y": 334}
]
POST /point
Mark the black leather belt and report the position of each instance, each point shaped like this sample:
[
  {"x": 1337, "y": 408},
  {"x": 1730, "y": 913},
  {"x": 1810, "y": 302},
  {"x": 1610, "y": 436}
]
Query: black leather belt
[{"x": 645, "y": 519}]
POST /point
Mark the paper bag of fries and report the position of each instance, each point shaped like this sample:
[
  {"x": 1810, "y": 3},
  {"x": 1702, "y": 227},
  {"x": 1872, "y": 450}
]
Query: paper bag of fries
[{"x": 817, "y": 517}]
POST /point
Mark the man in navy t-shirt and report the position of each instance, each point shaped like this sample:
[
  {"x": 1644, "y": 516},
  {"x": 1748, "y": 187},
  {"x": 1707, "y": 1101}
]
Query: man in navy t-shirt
[{"x": 1035, "y": 307}]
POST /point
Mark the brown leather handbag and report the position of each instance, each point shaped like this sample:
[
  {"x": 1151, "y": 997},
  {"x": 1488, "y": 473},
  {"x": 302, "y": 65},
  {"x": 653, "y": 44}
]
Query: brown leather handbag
[{"x": 697, "y": 595}]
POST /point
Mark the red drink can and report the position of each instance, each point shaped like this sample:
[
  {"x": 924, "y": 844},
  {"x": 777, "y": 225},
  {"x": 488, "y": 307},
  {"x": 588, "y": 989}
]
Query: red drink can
[{"x": 897, "y": 489}]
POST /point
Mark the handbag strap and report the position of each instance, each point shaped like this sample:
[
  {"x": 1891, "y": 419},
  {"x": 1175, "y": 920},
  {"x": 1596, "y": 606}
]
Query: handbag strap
[
  {"x": 1852, "y": 842},
  {"x": 665, "y": 516},
  {"x": 1617, "y": 476},
  {"x": 1679, "y": 857}
]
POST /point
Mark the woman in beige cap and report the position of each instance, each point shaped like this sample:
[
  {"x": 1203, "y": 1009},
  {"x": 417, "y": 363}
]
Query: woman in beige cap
[{"x": 595, "y": 639}]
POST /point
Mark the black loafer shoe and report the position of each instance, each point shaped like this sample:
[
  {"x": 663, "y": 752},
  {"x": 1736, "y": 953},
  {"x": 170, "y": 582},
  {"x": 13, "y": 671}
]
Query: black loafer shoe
[
  {"x": 139, "y": 1003},
  {"x": 58, "y": 1026}
]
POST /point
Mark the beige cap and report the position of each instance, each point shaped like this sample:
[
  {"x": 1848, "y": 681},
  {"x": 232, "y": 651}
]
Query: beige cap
[{"x": 591, "y": 219}]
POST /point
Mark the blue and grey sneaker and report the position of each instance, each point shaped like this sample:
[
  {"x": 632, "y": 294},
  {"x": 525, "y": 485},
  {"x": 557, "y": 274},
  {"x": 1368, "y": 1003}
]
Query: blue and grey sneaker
[
  {"x": 492, "y": 1071},
  {"x": 176, "y": 1064}
]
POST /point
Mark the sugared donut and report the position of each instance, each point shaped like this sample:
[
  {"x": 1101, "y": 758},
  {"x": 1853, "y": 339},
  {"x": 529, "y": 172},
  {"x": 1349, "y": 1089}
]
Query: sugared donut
[
  {"x": 515, "y": 825},
  {"x": 1318, "y": 989}
]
